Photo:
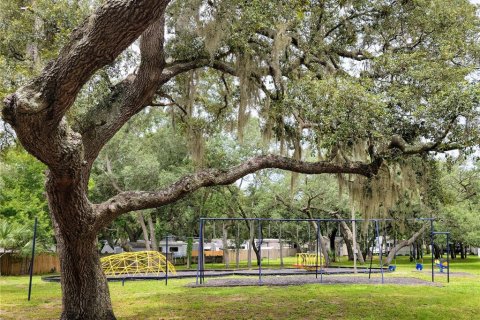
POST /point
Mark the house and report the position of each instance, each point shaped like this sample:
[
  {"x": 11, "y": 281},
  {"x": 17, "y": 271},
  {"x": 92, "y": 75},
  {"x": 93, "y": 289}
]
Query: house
[
  {"x": 267, "y": 244},
  {"x": 107, "y": 249},
  {"x": 388, "y": 245},
  {"x": 475, "y": 251},
  {"x": 177, "y": 248},
  {"x": 138, "y": 245}
]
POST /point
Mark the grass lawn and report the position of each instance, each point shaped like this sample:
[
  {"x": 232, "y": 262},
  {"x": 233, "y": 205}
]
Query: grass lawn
[{"x": 153, "y": 300}]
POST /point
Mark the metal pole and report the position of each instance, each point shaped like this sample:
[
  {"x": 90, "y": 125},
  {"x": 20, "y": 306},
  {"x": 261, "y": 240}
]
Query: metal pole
[
  {"x": 318, "y": 243},
  {"x": 354, "y": 235},
  {"x": 432, "y": 243},
  {"x": 260, "y": 251},
  {"x": 166, "y": 260},
  {"x": 237, "y": 248},
  {"x": 33, "y": 257},
  {"x": 321, "y": 271},
  {"x": 371, "y": 252},
  {"x": 448, "y": 258},
  {"x": 202, "y": 265},
  {"x": 395, "y": 245},
  {"x": 198, "y": 252},
  {"x": 379, "y": 248}
]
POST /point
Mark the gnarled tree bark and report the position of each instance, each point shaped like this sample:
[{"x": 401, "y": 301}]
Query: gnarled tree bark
[
  {"x": 141, "y": 221},
  {"x": 36, "y": 112},
  {"x": 403, "y": 244},
  {"x": 348, "y": 237}
]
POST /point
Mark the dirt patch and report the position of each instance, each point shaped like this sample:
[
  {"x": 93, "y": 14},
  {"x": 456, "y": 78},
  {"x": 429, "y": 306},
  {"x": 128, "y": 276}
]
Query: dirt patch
[{"x": 299, "y": 280}]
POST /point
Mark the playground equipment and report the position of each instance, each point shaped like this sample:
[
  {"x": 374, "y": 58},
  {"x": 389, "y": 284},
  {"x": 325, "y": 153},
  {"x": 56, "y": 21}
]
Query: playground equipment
[
  {"x": 136, "y": 263},
  {"x": 309, "y": 261},
  {"x": 441, "y": 264},
  {"x": 309, "y": 264}
]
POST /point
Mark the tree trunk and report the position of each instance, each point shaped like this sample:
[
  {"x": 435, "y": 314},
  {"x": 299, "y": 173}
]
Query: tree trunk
[
  {"x": 130, "y": 232},
  {"x": 453, "y": 254},
  {"x": 403, "y": 244},
  {"x": 349, "y": 246},
  {"x": 256, "y": 250},
  {"x": 141, "y": 221},
  {"x": 436, "y": 251},
  {"x": 321, "y": 240},
  {"x": 251, "y": 241},
  {"x": 153, "y": 238},
  {"x": 84, "y": 285},
  {"x": 332, "y": 236},
  {"x": 348, "y": 238},
  {"x": 125, "y": 245},
  {"x": 85, "y": 293},
  {"x": 323, "y": 246}
]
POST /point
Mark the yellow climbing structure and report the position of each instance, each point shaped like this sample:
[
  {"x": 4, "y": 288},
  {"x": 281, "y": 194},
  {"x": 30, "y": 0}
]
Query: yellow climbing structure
[
  {"x": 309, "y": 261},
  {"x": 136, "y": 263}
]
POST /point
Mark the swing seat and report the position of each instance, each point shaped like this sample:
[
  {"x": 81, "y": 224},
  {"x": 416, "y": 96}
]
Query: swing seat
[
  {"x": 392, "y": 268},
  {"x": 441, "y": 264},
  {"x": 419, "y": 267}
]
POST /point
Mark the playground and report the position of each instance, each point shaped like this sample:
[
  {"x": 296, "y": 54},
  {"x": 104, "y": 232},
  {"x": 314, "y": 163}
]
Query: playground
[
  {"x": 302, "y": 268},
  {"x": 147, "y": 285},
  {"x": 154, "y": 300}
]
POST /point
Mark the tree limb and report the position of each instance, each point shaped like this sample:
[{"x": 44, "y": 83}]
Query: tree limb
[
  {"x": 129, "y": 97},
  {"x": 96, "y": 43},
  {"x": 137, "y": 200},
  {"x": 36, "y": 111},
  {"x": 404, "y": 243}
]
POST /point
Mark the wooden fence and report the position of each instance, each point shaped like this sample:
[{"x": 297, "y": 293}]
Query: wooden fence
[
  {"x": 208, "y": 253},
  {"x": 266, "y": 254},
  {"x": 217, "y": 256},
  {"x": 12, "y": 265}
]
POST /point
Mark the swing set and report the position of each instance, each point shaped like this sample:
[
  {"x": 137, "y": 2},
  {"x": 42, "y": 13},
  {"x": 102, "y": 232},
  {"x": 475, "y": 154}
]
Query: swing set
[{"x": 309, "y": 261}]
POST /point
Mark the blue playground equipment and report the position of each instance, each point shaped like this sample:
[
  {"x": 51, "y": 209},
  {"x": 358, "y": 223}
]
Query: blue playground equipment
[{"x": 441, "y": 264}]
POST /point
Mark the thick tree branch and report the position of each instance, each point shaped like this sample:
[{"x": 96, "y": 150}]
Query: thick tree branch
[
  {"x": 436, "y": 145},
  {"x": 404, "y": 243},
  {"x": 178, "y": 67},
  {"x": 96, "y": 43},
  {"x": 129, "y": 97},
  {"x": 344, "y": 20},
  {"x": 130, "y": 201},
  {"x": 36, "y": 111}
]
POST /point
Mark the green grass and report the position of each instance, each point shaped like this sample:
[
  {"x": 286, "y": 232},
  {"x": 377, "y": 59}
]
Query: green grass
[
  {"x": 469, "y": 265},
  {"x": 153, "y": 300}
]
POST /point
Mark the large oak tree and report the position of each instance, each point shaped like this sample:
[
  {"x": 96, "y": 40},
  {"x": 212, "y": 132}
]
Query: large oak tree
[{"x": 362, "y": 84}]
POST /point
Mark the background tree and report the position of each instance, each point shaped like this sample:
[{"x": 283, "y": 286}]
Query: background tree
[
  {"x": 461, "y": 204},
  {"x": 22, "y": 196}
]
